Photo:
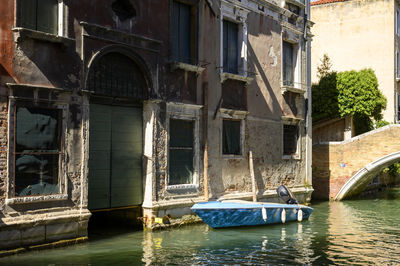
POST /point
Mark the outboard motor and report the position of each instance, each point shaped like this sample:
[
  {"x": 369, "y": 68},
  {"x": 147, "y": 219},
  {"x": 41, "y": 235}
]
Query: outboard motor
[{"x": 286, "y": 195}]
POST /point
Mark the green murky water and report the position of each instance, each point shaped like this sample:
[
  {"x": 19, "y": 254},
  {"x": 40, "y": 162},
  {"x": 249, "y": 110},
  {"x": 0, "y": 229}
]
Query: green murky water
[{"x": 349, "y": 232}]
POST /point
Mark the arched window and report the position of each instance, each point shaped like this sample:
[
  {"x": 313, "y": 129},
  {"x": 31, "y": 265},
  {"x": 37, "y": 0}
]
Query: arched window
[{"x": 117, "y": 75}]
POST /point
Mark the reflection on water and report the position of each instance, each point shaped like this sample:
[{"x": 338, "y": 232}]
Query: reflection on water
[{"x": 348, "y": 232}]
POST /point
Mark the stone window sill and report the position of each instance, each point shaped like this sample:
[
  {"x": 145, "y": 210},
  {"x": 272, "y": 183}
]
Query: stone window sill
[
  {"x": 232, "y": 156},
  {"x": 292, "y": 89},
  {"x": 183, "y": 189},
  {"x": 291, "y": 120},
  {"x": 233, "y": 114},
  {"x": 38, "y": 198},
  {"x": 299, "y": 3},
  {"x": 22, "y": 33},
  {"x": 187, "y": 67},
  {"x": 291, "y": 157},
  {"x": 225, "y": 76}
]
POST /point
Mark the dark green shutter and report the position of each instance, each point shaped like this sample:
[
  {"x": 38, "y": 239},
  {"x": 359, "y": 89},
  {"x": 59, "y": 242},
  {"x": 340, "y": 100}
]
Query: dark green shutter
[
  {"x": 47, "y": 16},
  {"x": 27, "y": 14},
  {"x": 230, "y": 46},
  {"x": 181, "y": 32}
]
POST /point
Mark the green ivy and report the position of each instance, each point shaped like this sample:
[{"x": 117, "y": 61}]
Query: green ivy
[{"x": 355, "y": 93}]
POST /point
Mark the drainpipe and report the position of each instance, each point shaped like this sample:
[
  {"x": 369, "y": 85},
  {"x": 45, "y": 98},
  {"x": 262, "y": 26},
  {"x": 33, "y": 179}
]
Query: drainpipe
[
  {"x": 205, "y": 132},
  {"x": 307, "y": 39}
]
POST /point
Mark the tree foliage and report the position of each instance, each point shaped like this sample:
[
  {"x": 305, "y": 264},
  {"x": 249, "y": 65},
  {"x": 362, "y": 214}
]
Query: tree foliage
[
  {"x": 346, "y": 93},
  {"x": 325, "y": 67}
]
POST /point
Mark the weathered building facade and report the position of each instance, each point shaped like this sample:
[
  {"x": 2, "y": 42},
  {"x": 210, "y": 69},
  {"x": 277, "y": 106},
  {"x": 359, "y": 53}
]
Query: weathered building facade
[{"x": 116, "y": 104}]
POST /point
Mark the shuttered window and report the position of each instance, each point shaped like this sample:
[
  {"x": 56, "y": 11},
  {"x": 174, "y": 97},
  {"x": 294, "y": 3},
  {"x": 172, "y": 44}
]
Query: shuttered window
[
  {"x": 397, "y": 65},
  {"x": 37, "y": 151},
  {"x": 398, "y": 107},
  {"x": 231, "y": 137},
  {"x": 181, "y": 32},
  {"x": 288, "y": 64},
  {"x": 290, "y": 139},
  {"x": 230, "y": 47},
  {"x": 40, "y": 15},
  {"x": 181, "y": 150}
]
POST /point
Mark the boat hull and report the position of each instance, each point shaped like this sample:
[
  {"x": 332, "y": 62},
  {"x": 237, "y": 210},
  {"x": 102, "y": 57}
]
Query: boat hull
[{"x": 231, "y": 214}]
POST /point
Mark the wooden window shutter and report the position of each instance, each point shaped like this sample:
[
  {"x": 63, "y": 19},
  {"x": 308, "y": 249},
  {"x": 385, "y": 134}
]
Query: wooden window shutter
[
  {"x": 230, "y": 47},
  {"x": 47, "y": 16},
  {"x": 288, "y": 64},
  {"x": 181, "y": 32},
  {"x": 27, "y": 14},
  {"x": 175, "y": 30},
  {"x": 184, "y": 36}
]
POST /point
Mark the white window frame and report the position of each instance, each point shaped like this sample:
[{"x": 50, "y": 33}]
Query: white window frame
[
  {"x": 61, "y": 18},
  {"x": 189, "y": 112},
  {"x": 294, "y": 122},
  {"x": 238, "y": 15},
  {"x": 62, "y": 171},
  {"x": 228, "y": 114}
]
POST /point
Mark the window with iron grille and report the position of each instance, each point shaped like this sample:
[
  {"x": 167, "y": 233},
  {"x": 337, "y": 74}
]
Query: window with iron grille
[
  {"x": 290, "y": 139},
  {"x": 231, "y": 144},
  {"x": 40, "y": 15},
  {"x": 230, "y": 47},
  {"x": 182, "y": 33},
  {"x": 37, "y": 150},
  {"x": 288, "y": 64},
  {"x": 116, "y": 74},
  {"x": 181, "y": 151}
]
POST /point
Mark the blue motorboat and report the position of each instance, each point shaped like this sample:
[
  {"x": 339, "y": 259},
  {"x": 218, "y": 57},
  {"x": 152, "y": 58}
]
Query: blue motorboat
[{"x": 231, "y": 213}]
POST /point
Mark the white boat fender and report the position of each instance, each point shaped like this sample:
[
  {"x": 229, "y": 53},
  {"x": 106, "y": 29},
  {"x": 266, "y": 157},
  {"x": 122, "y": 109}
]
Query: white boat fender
[
  {"x": 283, "y": 216},
  {"x": 299, "y": 215},
  {"x": 264, "y": 214}
]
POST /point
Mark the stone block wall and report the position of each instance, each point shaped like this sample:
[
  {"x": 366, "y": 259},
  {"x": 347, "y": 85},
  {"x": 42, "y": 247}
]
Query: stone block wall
[
  {"x": 33, "y": 230},
  {"x": 336, "y": 162}
]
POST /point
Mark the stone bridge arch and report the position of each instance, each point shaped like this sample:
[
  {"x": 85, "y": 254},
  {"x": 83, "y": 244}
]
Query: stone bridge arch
[
  {"x": 343, "y": 169},
  {"x": 364, "y": 176}
]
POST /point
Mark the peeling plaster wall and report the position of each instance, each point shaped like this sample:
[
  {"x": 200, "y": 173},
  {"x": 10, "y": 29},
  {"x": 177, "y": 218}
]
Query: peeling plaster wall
[
  {"x": 41, "y": 69},
  {"x": 264, "y": 128}
]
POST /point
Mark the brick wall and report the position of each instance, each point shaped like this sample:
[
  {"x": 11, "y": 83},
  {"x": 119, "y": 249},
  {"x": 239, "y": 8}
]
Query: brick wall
[{"x": 335, "y": 163}]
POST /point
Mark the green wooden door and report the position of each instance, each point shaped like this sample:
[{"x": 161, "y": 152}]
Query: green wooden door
[
  {"x": 115, "y": 156},
  {"x": 99, "y": 156}
]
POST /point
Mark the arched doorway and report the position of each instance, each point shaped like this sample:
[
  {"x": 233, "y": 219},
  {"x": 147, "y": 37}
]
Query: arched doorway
[{"x": 117, "y": 88}]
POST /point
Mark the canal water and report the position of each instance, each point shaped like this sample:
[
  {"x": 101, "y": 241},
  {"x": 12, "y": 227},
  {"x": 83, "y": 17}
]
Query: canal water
[{"x": 349, "y": 232}]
